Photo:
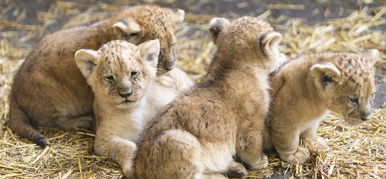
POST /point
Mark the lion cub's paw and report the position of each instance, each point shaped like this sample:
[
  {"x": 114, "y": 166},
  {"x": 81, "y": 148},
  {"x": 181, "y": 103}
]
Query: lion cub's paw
[
  {"x": 126, "y": 171},
  {"x": 86, "y": 122},
  {"x": 318, "y": 143},
  {"x": 300, "y": 156},
  {"x": 260, "y": 163},
  {"x": 236, "y": 170}
]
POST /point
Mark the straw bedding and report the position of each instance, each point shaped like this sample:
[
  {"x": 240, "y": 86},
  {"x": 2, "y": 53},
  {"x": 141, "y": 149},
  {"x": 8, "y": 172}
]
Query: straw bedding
[{"x": 356, "y": 152}]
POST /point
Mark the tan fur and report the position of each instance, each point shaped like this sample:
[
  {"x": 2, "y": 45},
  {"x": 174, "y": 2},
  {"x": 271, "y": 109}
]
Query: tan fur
[
  {"x": 120, "y": 122},
  {"x": 201, "y": 132},
  {"x": 49, "y": 89},
  {"x": 305, "y": 89}
]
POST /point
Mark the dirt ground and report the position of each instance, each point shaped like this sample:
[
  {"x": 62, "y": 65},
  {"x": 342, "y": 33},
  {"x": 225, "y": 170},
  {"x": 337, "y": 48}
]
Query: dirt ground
[{"x": 24, "y": 22}]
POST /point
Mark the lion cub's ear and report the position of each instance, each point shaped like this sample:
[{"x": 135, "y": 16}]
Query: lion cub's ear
[
  {"x": 325, "y": 74},
  {"x": 127, "y": 28},
  {"x": 149, "y": 52},
  {"x": 179, "y": 16},
  {"x": 372, "y": 55},
  {"x": 269, "y": 44},
  {"x": 86, "y": 61},
  {"x": 216, "y": 26}
]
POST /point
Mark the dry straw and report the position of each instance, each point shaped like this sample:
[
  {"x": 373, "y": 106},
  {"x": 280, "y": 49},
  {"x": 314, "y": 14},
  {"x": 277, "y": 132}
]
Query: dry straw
[{"x": 356, "y": 152}]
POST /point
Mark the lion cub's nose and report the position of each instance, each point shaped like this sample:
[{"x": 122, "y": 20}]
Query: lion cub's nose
[
  {"x": 125, "y": 92},
  {"x": 365, "y": 116},
  {"x": 169, "y": 65}
]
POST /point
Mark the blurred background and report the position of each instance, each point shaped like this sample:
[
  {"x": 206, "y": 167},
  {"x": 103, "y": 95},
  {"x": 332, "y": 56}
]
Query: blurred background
[
  {"x": 308, "y": 26},
  {"x": 47, "y": 16},
  {"x": 24, "y": 22}
]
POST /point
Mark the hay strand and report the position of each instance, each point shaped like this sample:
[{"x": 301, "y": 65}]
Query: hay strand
[{"x": 356, "y": 152}]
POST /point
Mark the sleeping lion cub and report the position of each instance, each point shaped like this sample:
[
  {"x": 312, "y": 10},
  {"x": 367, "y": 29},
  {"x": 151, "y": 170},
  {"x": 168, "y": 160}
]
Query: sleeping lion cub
[
  {"x": 49, "y": 90},
  {"x": 127, "y": 93}
]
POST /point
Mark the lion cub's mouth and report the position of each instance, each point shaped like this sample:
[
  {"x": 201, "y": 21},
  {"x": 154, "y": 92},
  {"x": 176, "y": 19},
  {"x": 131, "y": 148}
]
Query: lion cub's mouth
[{"x": 127, "y": 101}]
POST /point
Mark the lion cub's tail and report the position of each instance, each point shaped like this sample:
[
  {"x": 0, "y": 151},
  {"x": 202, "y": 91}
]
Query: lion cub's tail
[{"x": 20, "y": 123}]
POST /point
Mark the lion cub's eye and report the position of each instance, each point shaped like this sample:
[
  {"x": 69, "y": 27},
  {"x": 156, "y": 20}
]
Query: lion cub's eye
[
  {"x": 354, "y": 101},
  {"x": 128, "y": 36},
  {"x": 134, "y": 74},
  {"x": 109, "y": 79}
]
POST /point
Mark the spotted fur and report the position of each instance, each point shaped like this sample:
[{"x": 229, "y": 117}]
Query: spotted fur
[
  {"x": 127, "y": 94},
  {"x": 305, "y": 89},
  {"x": 49, "y": 90},
  {"x": 204, "y": 129}
]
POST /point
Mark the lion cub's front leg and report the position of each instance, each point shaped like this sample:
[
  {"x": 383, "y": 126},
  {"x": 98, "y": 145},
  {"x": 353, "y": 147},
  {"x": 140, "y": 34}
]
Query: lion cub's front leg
[
  {"x": 249, "y": 148},
  {"x": 236, "y": 170},
  {"x": 311, "y": 138},
  {"x": 286, "y": 142},
  {"x": 107, "y": 144}
]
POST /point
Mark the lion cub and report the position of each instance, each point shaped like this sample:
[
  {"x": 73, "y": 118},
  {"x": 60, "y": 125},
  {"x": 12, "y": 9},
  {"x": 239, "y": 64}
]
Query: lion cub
[
  {"x": 305, "y": 89},
  {"x": 49, "y": 90},
  {"x": 127, "y": 93},
  {"x": 201, "y": 132}
]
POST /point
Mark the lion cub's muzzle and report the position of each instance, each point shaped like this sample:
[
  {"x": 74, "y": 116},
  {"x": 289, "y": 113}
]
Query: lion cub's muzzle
[
  {"x": 125, "y": 92},
  {"x": 365, "y": 116},
  {"x": 167, "y": 61}
]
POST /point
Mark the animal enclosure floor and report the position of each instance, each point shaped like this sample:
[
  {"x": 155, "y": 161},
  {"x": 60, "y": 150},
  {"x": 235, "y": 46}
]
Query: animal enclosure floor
[{"x": 312, "y": 26}]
